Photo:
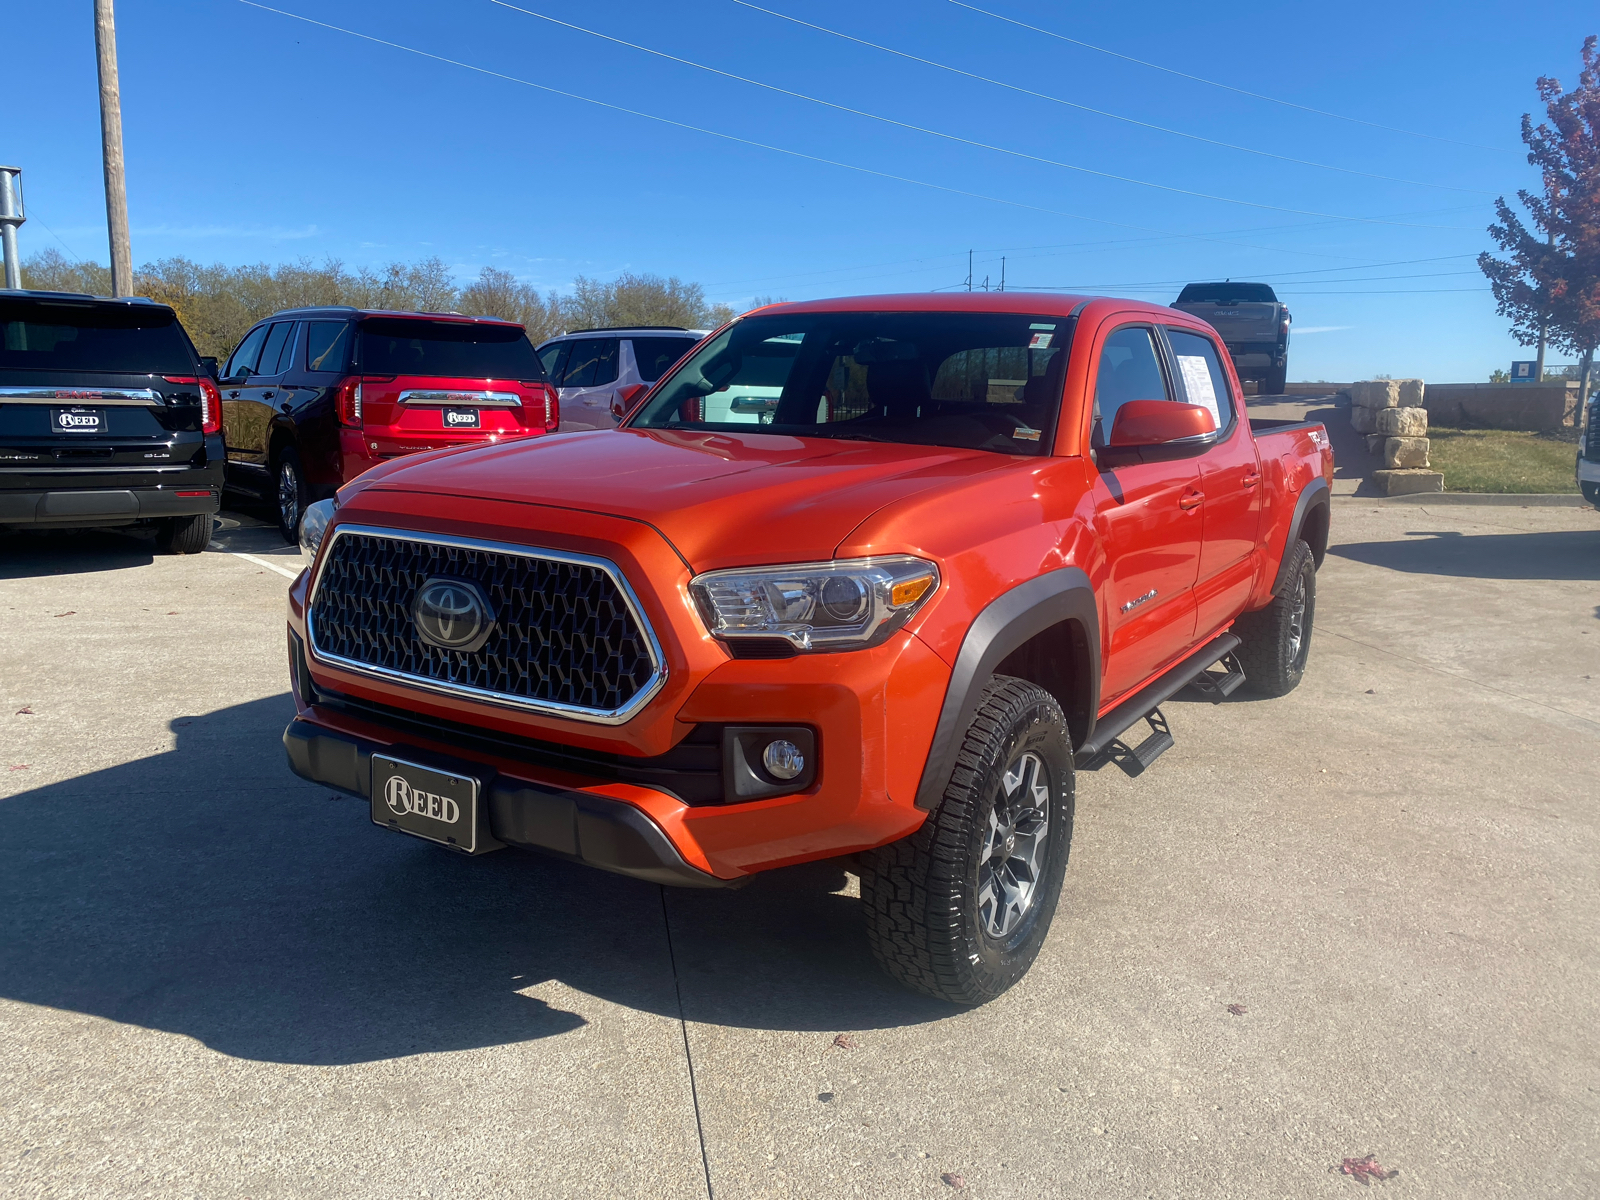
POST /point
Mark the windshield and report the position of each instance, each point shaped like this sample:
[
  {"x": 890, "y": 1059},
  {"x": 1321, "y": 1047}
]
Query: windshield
[
  {"x": 457, "y": 349},
  {"x": 1227, "y": 293},
  {"x": 984, "y": 381},
  {"x": 133, "y": 339}
]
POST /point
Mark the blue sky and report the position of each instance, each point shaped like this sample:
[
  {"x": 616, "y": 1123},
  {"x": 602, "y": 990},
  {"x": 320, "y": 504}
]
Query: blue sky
[{"x": 252, "y": 136}]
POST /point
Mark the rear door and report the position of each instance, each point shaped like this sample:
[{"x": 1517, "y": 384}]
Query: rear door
[
  {"x": 1148, "y": 517},
  {"x": 1230, "y": 478},
  {"x": 308, "y": 386},
  {"x": 588, "y": 383}
]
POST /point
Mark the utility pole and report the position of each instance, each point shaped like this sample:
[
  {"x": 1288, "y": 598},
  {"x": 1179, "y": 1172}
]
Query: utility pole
[
  {"x": 105, "y": 42},
  {"x": 1002, "y": 272},
  {"x": 969, "y": 270},
  {"x": 10, "y": 217}
]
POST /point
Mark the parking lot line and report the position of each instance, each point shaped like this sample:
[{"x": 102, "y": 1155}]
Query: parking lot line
[{"x": 261, "y": 562}]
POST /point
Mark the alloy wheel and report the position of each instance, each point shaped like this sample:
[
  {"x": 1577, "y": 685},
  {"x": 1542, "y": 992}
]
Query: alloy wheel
[
  {"x": 1297, "y": 620},
  {"x": 1012, "y": 858},
  {"x": 288, "y": 495}
]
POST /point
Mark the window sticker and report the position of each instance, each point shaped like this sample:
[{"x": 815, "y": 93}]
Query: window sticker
[
  {"x": 1197, "y": 384},
  {"x": 1024, "y": 434},
  {"x": 1041, "y": 326},
  {"x": 1040, "y": 341}
]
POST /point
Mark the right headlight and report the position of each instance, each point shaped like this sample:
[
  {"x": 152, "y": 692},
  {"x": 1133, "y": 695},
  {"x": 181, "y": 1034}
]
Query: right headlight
[
  {"x": 843, "y": 605},
  {"x": 313, "y": 524}
]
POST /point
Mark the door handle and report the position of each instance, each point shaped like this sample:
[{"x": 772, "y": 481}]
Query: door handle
[
  {"x": 1253, "y": 478},
  {"x": 233, "y": 395},
  {"x": 266, "y": 395},
  {"x": 1190, "y": 500}
]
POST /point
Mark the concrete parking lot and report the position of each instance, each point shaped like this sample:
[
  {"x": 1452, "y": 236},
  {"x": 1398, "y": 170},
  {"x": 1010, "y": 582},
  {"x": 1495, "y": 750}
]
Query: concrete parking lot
[{"x": 219, "y": 981}]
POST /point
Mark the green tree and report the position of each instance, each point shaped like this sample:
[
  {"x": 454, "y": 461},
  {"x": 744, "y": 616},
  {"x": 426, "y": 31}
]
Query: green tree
[{"x": 1555, "y": 278}]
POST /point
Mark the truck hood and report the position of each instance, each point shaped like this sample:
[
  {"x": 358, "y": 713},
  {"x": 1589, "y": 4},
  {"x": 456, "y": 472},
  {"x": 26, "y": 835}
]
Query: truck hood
[{"x": 722, "y": 500}]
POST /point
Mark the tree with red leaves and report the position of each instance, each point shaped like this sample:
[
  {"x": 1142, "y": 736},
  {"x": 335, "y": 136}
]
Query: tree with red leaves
[{"x": 1554, "y": 280}]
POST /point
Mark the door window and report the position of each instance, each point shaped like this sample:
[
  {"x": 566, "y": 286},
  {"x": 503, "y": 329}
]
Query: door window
[
  {"x": 1201, "y": 375},
  {"x": 593, "y": 362},
  {"x": 1130, "y": 369},
  {"x": 554, "y": 358},
  {"x": 327, "y": 345},
  {"x": 243, "y": 363},
  {"x": 655, "y": 354},
  {"x": 277, "y": 340}
]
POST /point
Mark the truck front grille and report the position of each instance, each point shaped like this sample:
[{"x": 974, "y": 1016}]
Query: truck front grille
[{"x": 568, "y": 638}]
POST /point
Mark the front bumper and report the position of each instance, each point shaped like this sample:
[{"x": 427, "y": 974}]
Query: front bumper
[
  {"x": 78, "y": 507},
  {"x": 1588, "y": 470},
  {"x": 596, "y": 830}
]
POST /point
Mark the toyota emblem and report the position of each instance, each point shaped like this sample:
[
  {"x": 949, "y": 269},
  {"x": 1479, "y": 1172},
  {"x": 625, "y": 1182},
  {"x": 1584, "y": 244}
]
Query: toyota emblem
[{"x": 452, "y": 614}]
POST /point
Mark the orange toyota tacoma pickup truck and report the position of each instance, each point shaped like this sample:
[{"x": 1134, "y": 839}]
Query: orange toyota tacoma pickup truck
[{"x": 865, "y": 577}]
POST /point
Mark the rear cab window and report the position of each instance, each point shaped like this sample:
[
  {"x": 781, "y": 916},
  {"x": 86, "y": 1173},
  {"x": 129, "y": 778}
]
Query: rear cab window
[
  {"x": 127, "y": 339},
  {"x": 1227, "y": 293},
  {"x": 447, "y": 349}
]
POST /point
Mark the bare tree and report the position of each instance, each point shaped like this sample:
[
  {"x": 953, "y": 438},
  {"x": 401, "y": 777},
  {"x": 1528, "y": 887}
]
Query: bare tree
[{"x": 497, "y": 293}]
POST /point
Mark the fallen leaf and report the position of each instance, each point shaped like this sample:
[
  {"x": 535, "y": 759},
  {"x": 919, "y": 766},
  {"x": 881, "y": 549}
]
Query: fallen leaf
[
  {"x": 954, "y": 1180},
  {"x": 1238, "y": 1010},
  {"x": 173, "y": 613},
  {"x": 1372, "y": 691},
  {"x": 1364, "y": 1170},
  {"x": 20, "y": 767},
  {"x": 24, "y": 712},
  {"x": 68, "y": 614},
  {"x": 845, "y": 1042}
]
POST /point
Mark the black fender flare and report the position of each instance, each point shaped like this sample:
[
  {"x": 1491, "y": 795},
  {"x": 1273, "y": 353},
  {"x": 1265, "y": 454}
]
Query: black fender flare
[
  {"x": 1005, "y": 624},
  {"x": 1313, "y": 496}
]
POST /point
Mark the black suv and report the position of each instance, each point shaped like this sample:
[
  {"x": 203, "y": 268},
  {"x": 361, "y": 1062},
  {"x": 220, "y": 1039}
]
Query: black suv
[
  {"x": 312, "y": 397},
  {"x": 107, "y": 418}
]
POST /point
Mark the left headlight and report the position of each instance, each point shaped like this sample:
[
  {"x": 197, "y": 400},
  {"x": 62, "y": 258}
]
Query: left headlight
[
  {"x": 842, "y": 605},
  {"x": 313, "y": 524}
]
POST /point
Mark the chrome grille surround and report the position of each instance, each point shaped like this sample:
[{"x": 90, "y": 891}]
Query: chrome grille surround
[{"x": 399, "y": 604}]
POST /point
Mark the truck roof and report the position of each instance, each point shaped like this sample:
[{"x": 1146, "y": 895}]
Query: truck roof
[{"x": 1227, "y": 292}]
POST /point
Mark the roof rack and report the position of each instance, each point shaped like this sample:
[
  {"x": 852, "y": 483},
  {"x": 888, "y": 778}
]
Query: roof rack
[
  {"x": 619, "y": 328},
  {"x": 35, "y": 293}
]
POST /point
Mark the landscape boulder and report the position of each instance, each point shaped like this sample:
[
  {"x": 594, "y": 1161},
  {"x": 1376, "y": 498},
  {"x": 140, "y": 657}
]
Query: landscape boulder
[
  {"x": 1365, "y": 420},
  {"x": 1403, "y": 452},
  {"x": 1375, "y": 393},
  {"x": 1410, "y": 393},
  {"x": 1403, "y": 422},
  {"x": 1408, "y": 482}
]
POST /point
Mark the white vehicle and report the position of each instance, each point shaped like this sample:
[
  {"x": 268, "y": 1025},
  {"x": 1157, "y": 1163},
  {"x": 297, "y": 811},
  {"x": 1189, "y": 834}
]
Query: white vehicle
[{"x": 599, "y": 373}]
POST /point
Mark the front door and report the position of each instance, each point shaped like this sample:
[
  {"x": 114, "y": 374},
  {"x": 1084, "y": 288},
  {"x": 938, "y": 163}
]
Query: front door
[
  {"x": 588, "y": 384},
  {"x": 1149, "y": 521},
  {"x": 1230, "y": 478}
]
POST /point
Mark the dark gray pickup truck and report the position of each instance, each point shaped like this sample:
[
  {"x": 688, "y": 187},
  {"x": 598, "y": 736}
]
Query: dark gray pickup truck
[{"x": 1253, "y": 325}]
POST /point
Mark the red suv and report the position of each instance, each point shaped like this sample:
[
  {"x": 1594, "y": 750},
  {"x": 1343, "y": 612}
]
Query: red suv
[{"x": 312, "y": 397}]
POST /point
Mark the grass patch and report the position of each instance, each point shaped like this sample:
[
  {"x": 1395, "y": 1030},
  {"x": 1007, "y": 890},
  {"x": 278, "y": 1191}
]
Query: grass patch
[{"x": 1501, "y": 460}]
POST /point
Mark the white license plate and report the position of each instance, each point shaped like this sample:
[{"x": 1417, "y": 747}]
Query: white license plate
[{"x": 77, "y": 420}]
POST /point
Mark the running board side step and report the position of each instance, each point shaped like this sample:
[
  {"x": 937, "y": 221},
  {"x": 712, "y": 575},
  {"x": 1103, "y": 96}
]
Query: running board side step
[
  {"x": 1146, "y": 703},
  {"x": 1134, "y": 759},
  {"x": 1216, "y": 688}
]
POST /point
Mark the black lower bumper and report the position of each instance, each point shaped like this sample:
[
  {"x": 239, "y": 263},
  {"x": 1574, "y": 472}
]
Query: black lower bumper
[
  {"x": 608, "y": 834},
  {"x": 89, "y": 506}
]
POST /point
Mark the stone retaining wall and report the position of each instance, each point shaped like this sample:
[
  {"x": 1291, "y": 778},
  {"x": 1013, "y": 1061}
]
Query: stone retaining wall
[{"x": 1540, "y": 407}]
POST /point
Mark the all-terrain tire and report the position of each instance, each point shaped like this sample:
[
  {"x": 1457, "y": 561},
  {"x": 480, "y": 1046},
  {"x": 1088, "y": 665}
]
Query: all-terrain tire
[
  {"x": 1276, "y": 380},
  {"x": 1591, "y": 493},
  {"x": 289, "y": 493},
  {"x": 1276, "y": 640},
  {"x": 924, "y": 897},
  {"x": 184, "y": 535}
]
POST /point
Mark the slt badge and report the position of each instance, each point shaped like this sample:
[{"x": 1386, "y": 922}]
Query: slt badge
[{"x": 452, "y": 614}]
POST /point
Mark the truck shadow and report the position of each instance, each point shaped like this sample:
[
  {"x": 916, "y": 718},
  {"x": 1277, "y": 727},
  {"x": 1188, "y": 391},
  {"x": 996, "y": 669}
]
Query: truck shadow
[
  {"x": 1568, "y": 554},
  {"x": 207, "y": 892}
]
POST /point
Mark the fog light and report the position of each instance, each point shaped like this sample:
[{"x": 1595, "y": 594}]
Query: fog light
[{"x": 783, "y": 759}]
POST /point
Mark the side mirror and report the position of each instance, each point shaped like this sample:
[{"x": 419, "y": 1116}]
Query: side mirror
[
  {"x": 622, "y": 399},
  {"x": 1154, "y": 422}
]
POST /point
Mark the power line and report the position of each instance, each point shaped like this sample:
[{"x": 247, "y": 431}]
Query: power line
[
  {"x": 1154, "y": 283},
  {"x": 1100, "y": 112},
  {"x": 1227, "y": 87},
  {"x": 729, "y": 137},
  {"x": 952, "y": 137}
]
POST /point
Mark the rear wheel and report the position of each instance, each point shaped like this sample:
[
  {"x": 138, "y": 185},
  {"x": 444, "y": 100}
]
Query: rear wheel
[
  {"x": 1276, "y": 380},
  {"x": 959, "y": 909},
  {"x": 1591, "y": 493},
  {"x": 291, "y": 494},
  {"x": 184, "y": 535},
  {"x": 1276, "y": 640}
]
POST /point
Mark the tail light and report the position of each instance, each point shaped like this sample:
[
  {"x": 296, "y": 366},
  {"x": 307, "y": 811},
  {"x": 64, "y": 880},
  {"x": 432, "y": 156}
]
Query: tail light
[
  {"x": 347, "y": 403},
  {"x": 210, "y": 400},
  {"x": 552, "y": 409},
  {"x": 1283, "y": 330}
]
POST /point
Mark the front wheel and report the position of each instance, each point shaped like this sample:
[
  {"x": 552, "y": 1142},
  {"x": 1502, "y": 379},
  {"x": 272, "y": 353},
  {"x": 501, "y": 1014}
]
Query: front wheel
[
  {"x": 291, "y": 493},
  {"x": 959, "y": 909},
  {"x": 1276, "y": 640}
]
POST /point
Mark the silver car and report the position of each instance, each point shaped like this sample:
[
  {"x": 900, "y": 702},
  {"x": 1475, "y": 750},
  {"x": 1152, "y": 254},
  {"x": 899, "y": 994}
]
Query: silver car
[{"x": 599, "y": 373}]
